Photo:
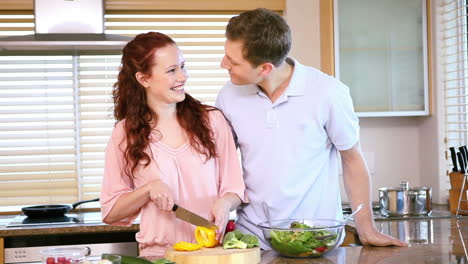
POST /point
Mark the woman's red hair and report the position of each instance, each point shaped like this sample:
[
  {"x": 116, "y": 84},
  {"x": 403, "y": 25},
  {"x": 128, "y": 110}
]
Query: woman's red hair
[{"x": 130, "y": 103}]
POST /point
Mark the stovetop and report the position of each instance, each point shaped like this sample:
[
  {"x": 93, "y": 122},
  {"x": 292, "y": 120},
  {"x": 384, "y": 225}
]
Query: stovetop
[
  {"x": 23, "y": 221},
  {"x": 434, "y": 214},
  {"x": 380, "y": 217}
]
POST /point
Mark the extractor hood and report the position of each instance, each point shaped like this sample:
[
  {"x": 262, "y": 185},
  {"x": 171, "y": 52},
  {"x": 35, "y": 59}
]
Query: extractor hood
[{"x": 66, "y": 25}]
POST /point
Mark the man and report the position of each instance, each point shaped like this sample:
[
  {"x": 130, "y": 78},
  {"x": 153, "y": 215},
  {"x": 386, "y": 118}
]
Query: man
[{"x": 290, "y": 122}]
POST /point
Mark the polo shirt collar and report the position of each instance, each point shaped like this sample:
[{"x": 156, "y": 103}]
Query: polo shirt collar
[{"x": 294, "y": 88}]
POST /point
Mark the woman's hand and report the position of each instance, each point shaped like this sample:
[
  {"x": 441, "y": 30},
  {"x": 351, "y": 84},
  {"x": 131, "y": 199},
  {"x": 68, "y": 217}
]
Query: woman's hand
[
  {"x": 161, "y": 195},
  {"x": 220, "y": 215}
]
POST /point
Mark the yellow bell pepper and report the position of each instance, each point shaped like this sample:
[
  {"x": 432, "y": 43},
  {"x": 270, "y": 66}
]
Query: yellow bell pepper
[
  {"x": 205, "y": 237},
  {"x": 186, "y": 246}
]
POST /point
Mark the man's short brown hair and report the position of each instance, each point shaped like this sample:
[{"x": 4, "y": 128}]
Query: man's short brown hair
[{"x": 265, "y": 35}]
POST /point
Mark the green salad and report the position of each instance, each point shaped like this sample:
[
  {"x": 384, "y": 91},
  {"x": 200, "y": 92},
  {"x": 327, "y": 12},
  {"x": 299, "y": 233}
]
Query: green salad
[{"x": 302, "y": 243}]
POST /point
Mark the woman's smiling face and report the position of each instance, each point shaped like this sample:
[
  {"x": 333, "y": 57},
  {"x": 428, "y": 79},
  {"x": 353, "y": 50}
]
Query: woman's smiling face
[{"x": 166, "y": 82}]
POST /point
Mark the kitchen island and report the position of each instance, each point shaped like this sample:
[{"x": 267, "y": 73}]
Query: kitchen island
[
  {"x": 435, "y": 240},
  {"x": 431, "y": 241}
]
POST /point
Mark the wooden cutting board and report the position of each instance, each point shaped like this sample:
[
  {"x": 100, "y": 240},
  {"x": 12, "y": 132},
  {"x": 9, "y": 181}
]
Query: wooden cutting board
[{"x": 215, "y": 255}]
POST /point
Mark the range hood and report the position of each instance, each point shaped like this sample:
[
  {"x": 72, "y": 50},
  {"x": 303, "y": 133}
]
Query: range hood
[{"x": 66, "y": 25}]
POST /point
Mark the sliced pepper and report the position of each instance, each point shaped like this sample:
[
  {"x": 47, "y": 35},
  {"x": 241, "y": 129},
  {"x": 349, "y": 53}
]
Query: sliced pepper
[
  {"x": 205, "y": 237},
  {"x": 186, "y": 246}
]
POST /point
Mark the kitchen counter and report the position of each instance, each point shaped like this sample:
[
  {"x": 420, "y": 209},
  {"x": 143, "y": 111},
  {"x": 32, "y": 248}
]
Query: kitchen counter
[
  {"x": 92, "y": 224},
  {"x": 436, "y": 240},
  {"x": 427, "y": 254},
  {"x": 432, "y": 240}
]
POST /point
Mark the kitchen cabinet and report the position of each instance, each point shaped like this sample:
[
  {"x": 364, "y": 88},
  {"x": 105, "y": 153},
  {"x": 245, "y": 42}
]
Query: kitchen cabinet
[
  {"x": 380, "y": 50},
  {"x": 2, "y": 250},
  {"x": 351, "y": 237},
  {"x": 20, "y": 244}
]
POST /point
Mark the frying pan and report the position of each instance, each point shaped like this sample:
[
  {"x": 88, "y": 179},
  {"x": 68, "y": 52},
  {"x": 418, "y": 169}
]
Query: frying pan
[{"x": 51, "y": 210}]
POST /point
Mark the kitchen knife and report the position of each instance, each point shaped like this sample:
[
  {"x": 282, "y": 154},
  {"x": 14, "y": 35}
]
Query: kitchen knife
[
  {"x": 194, "y": 219},
  {"x": 465, "y": 152},
  {"x": 464, "y": 156},
  {"x": 462, "y": 162},
  {"x": 453, "y": 155}
]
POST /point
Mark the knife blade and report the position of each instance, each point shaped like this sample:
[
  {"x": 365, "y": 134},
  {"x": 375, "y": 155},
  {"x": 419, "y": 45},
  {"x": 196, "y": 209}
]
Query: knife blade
[
  {"x": 461, "y": 161},
  {"x": 465, "y": 152},
  {"x": 190, "y": 217},
  {"x": 453, "y": 155},
  {"x": 464, "y": 156}
]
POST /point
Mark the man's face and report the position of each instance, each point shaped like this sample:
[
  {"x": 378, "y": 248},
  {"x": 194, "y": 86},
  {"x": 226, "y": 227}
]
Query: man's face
[{"x": 240, "y": 70}]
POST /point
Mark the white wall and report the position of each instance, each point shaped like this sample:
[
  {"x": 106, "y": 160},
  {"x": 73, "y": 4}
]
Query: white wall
[{"x": 398, "y": 148}]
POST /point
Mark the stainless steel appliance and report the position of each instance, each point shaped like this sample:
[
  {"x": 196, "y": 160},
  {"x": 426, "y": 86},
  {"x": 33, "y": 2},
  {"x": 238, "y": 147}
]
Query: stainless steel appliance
[
  {"x": 32, "y": 254},
  {"x": 405, "y": 201},
  {"x": 26, "y": 249},
  {"x": 378, "y": 216},
  {"x": 67, "y": 25},
  {"x": 89, "y": 218},
  {"x": 416, "y": 229}
]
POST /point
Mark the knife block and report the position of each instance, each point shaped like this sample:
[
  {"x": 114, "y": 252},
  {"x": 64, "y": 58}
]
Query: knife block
[
  {"x": 456, "y": 182},
  {"x": 453, "y": 199}
]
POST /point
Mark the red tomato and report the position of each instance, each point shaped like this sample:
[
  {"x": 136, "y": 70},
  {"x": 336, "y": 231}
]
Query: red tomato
[
  {"x": 61, "y": 260},
  {"x": 231, "y": 226},
  {"x": 50, "y": 260},
  {"x": 321, "y": 249}
]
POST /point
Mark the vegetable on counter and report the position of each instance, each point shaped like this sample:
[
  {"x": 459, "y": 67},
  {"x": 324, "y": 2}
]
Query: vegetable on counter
[
  {"x": 302, "y": 243},
  {"x": 60, "y": 260},
  {"x": 133, "y": 260},
  {"x": 231, "y": 226},
  {"x": 163, "y": 261},
  {"x": 186, "y": 246},
  {"x": 137, "y": 260},
  {"x": 236, "y": 239},
  {"x": 205, "y": 237}
]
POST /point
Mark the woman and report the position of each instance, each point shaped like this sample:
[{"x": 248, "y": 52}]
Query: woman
[{"x": 166, "y": 148}]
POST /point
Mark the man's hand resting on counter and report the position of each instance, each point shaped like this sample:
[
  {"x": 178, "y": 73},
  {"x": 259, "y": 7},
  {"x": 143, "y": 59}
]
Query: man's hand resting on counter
[
  {"x": 373, "y": 237},
  {"x": 356, "y": 180}
]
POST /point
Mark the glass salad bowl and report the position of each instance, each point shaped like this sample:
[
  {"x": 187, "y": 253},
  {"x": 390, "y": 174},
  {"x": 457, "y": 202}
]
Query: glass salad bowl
[{"x": 303, "y": 238}]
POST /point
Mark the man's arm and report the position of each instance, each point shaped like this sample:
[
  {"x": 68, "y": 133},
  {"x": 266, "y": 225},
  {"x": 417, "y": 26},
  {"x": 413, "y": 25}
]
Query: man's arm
[{"x": 357, "y": 184}]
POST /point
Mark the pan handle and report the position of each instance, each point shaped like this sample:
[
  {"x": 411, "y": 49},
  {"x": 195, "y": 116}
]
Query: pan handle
[{"x": 82, "y": 202}]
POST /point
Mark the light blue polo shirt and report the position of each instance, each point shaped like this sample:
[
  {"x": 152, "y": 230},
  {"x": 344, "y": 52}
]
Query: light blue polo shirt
[{"x": 290, "y": 147}]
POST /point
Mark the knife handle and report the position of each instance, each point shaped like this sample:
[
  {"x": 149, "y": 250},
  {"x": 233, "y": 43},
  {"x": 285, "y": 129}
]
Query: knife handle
[
  {"x": 461, "y": 161},
  {"x": 174, "y": 208},
  {"x": 453, "y": 155}
]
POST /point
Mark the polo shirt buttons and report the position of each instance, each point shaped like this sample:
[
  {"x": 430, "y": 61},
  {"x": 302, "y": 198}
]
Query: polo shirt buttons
[{"x": 271, "y": 118}]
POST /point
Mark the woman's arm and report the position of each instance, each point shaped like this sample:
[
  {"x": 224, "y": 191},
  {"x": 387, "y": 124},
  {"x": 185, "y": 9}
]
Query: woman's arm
[{"x": 130, "y": 203}]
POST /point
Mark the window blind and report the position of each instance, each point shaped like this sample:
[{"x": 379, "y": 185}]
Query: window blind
[
  {"x": 56, "y": 111},
  {"x": 455, "y": 59}
]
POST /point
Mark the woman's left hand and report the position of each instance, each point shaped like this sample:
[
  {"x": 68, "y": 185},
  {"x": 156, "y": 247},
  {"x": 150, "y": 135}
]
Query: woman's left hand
[{"x": 220, "y": 215}]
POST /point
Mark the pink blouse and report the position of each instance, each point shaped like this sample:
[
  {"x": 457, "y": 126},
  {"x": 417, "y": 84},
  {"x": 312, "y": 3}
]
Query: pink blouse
[{"x": 196, "y": 184}]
